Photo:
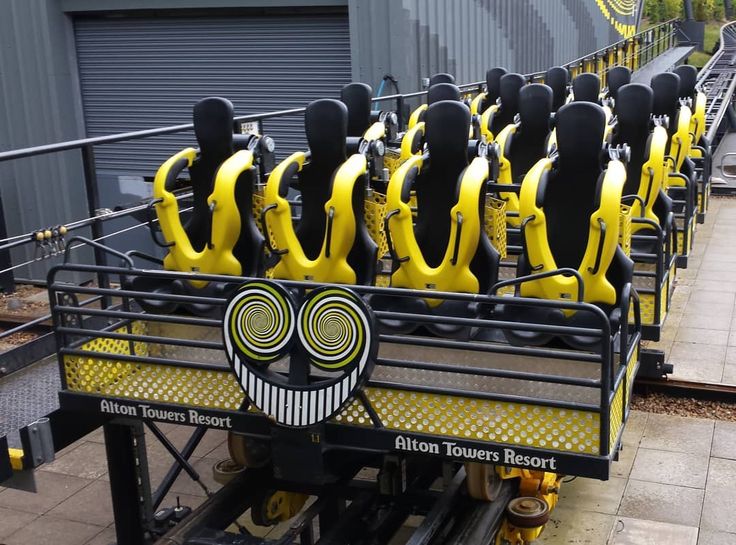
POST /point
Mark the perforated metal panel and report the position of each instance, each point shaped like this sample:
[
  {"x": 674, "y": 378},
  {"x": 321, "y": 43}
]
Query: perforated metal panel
[{"x": 140, "y": 73}]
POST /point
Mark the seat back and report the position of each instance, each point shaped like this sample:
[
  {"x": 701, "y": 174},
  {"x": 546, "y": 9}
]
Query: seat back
[
  {"x": 617, "y": 77},
  {"x": 586, "y": 88},
  {"x": 666, "y": 87},
  {"x": 493, "y": 89},
  {"x": 529, "y": 143},
  {"x": 442, "y": 77},
  {"x": 509, "y": 88},
  {"x": 645, "y": 168},
  {"x": 357, "y": 98},
  {"x": 557, "y": 78},
  {"x": 688, "y": 75},
  {"x": 213, "y": 129}
]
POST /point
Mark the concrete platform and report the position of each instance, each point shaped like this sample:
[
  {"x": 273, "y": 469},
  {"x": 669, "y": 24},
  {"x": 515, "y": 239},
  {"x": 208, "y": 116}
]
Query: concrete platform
[{"x": 699, "y": 334}]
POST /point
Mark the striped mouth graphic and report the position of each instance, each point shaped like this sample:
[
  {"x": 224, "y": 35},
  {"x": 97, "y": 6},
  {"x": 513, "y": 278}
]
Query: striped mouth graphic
[{"x": 334, "y": 339}]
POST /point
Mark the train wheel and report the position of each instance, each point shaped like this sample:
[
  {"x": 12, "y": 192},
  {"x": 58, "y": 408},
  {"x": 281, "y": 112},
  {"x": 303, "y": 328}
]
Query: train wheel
[
  {"x": 225, "y": 470},
  {"x": 247, "y": 452},
  {"x": 527, "y": 512},
  {"x": 482, "y": 481},
  {"x": 276, "y": 506}
]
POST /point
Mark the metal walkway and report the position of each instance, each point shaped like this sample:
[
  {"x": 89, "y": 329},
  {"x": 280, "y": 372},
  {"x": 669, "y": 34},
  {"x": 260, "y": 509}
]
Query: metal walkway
[
  {"x": 663, "y": 63},
  {"x": 717, "y": 80}
]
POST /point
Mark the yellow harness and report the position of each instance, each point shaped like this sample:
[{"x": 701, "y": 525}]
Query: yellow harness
[
  {"x": 453, "y": 273},
  {"x": 416, "y": 115},
  {"x": 331, "y": 264},
  {"x": 217, "y": 256},
  {"x": 651, "y": 180},
  {"x": 697, "y": 124},
  {"x": 505, "y": 175},
  {"x": 680, "y": 144},
  {"x": 599, "y": 252}
]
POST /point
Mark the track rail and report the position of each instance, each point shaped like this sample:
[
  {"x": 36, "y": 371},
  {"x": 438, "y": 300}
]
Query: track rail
[
  {"x": 685, "y": 388},
  {"x": 717, "y": 79}
]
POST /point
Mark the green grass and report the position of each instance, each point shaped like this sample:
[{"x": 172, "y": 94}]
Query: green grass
[{"x": 712, "y": 34}]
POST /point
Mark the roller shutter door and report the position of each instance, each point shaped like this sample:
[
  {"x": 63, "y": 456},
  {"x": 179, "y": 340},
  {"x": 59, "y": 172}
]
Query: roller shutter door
[{"x": 140, "y": 73}]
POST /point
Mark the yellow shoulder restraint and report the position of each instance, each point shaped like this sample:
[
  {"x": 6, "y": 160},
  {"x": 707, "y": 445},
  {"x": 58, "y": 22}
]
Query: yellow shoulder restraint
[
  {"x": 505, "y": 174},
  {"x": 217, "y": 256},
  {"x": 375, "y": 132},
  {"x": 602, "y": 240},
  {"x": 476, "y": 102},
  {"x": 453, "y": 274},
  {"x": 410, "y": 138},
  {"x": 697, "y": 124},
  {"x": 651, "y": 179},
  {"x": 331, "y": 265},
  {"x": 485, "y": 122},
  {"x": 679, "y": 146},
  {"x": 416, "y": 115}
]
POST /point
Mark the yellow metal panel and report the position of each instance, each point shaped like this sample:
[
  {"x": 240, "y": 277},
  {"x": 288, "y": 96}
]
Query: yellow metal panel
[{"x": 16, "y": 458}]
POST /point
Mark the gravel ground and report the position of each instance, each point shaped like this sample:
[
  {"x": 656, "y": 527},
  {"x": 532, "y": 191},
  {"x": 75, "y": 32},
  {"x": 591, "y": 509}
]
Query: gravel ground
[{"x": 684, "y": 406}]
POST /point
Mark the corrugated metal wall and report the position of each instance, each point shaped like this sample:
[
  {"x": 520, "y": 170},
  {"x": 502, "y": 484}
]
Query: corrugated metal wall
[
  {"x": 138, "y": 73},
  {"x": 411, "y": 39},
  {"x": 39, "y": 104}
]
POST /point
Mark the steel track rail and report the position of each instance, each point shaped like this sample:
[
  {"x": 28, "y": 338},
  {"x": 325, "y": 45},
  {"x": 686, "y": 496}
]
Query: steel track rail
[{"x": 710, "y": 391}]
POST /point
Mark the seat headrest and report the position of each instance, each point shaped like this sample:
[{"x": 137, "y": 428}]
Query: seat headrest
[
  {"x": 442, "y": 77},
  {"x": 634, "y": 105},
  {"x": 688, "y": 77},
  {"x": 493, "y": 83},
  {"x": 556, "y": 78},
  {"x": 447, "y": 126},
  {"x": 443, "y": 91},
  {"x": 618, "y": 76},
  {"x": 213, "y": 127},
  {"x": 580, "y": 127},
  {"x": 666, "y": 87},
  {"x": 326, "y": 127},
  {"x": 535, "y": 107},
  {"x": 509, "y": 88},
  {"x": 357, "y": 97},
  {"x": 586, "y": 87}
]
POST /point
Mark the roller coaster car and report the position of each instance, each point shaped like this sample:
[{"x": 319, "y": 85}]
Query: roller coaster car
[
  {"x": 569, "y": 205},
  {"x": 700, "y": 148},
  {"x": 489, "y": 97},
  {"x": 557, "y": 78},
  {"x": 447, "y": 248},
  {"x": 653, "y": 223},
  {"x": 368, "y": 130},
  {"x": 680, "y": 170},
  {"x": 587, "y": 88},
  {"x": 523, "y": 143},
  {"x": 220, "y": 236},
  {"x": 495, "y": 118},
  {"x": 331, "y": 242}
]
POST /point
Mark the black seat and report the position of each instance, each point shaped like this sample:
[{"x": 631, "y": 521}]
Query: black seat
[
  {"x": 666, "y": 88},
  {"x": 529, "y": 142},
  {"x": 443, "y": 91},
  {"x": 586, "y": 88},
  {"x": 442, "y": 77},
  {"x": 357, "y": 98},
  {"x": 557, "y": 79},
  {"x": 633, "y": 110},
  {"x": 568, "y": 195},
  {"x": 510, "y": 85},
  {"x": 213, "y": 129},
  {"x": 617, "y": 77},
  {"x": 493, "y": 87},
  {"x": 688, "y": 75}
]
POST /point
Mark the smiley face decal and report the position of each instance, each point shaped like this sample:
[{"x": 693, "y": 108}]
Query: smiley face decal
[{"x": 299, "y": 367}]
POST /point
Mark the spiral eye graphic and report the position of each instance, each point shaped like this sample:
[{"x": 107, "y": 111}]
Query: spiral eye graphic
[
  {"x": 260, "y": 321},
  {"x": 333, "y": 326},
  {"x": 335, "y": 330}
]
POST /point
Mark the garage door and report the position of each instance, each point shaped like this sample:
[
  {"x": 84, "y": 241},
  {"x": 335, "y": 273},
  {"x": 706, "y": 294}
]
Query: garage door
[{"x": 140, "y": 73}]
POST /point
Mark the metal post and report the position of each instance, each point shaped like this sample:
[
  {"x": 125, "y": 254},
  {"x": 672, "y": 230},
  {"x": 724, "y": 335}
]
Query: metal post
[
  {"x": 129, "y": 485},
  {"x": 728, "y": 9},
  {"x": 400, "y": 113},
  {"x": 7, "y": 281},
  {"x": 93, "y": 205}
]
